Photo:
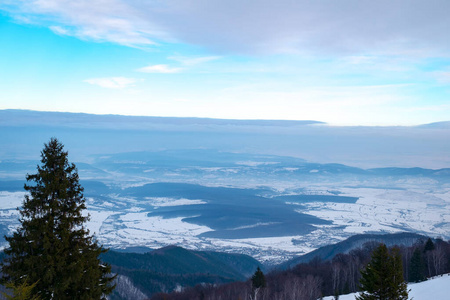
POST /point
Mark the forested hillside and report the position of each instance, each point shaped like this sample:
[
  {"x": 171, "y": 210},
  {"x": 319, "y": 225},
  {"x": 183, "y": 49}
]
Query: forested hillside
[
  {"x": 172, "y": 268},
  {"x": 357, "y": 241},
  {"x": 337, "y": 275}
]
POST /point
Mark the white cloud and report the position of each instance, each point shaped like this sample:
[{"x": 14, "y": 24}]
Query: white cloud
[
  {"x": 443, "y": 77},
  {"x": 159, "y": 69},
  {"x": 351, "y": 27},
  {"x": 100, "y": 20},
  {"x": 59, "y": 30},
  {"x": 112, "y": 82},
  {"x": 191, "y": 61},
  {"x": 185, "y": 61}
]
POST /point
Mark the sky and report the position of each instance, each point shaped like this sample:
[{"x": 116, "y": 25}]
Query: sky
[{"x": 347, "y": 62}]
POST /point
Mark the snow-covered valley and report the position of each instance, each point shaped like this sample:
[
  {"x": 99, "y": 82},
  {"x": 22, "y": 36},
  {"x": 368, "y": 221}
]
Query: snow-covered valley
[
  {"x": 272, "y": 210},
  {"x": 375, "y": 211}
]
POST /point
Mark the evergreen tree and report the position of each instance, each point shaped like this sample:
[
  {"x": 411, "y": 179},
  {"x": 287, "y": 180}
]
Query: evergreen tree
[
  {"x": 382, "y": 279},
  {"x": 429, "y": 245},
  {"x": 258, "y": 282},
  {"x": 417, "y": 267},
  {"x": 21, "y": 292},
  {"x": 428, "y": 252},
  {"x": 398, "y": 288},
  {"x": 258, "y": 279},
  {"x": 51, "y": 246}
]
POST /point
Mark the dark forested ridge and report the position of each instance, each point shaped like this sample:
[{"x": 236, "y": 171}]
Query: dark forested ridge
[
  {"x": 339, "y": 274},
  {"x": 330, "y": 251},
  {"x": 170, "y": 268},
  {"x": 180, "y": 261},
  {"x": 176, "y": 273}
]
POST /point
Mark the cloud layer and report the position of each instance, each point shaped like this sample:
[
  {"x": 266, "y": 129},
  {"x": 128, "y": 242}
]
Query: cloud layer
[
  {"x": 112, "y": 82},
  {"x": 403, "y": 27},
  {"x": 159, "y": 69}
]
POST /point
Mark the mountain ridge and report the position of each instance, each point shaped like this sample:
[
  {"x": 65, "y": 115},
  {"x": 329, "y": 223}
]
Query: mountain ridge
[
  {"x": 19, "y": 117},
  {"x": 329, "y": 251},
  {"x": 24, "y": 132}
]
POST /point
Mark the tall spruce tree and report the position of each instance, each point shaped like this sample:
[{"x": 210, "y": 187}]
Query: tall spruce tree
[
  {"x": 417, "y": 267},
  {"x": 382, "y": 279},
  {"x": 52, "y": 249}
]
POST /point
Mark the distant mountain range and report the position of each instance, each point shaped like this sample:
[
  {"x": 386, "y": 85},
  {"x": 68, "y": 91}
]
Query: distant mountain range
[
  {"x": 24, "y": 132},
  {"x": 198, "y": 160},
  {"x": 13, "y": 117},
  {"x": 442, "y": 125},
  {"x": 17, "y": 117}
]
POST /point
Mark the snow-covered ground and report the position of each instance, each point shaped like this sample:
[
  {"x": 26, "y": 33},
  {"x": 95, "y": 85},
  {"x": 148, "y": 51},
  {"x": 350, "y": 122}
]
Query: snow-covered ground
[
  {"x": 167, "y": 201},
  {"x": 377, "y": 210},
  {"x": 388, "y": 210},
  {"x": 437, "y": 288},
  {"x": 122, "y": 222}
]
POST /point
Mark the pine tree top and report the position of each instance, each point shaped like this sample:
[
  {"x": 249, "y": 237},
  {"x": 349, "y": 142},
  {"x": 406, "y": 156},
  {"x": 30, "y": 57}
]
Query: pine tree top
[
  {"x": 258, "y": 279},
  {"x": 429, "y": 245}
]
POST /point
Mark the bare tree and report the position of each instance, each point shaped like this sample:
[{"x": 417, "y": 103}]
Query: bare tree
[{"x": 438, "y": 258}]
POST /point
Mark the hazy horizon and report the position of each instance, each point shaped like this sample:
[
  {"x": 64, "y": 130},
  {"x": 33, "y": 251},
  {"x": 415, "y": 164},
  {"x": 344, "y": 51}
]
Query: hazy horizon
[
  {"x": 313, "y": 122},
  {"x": 425, "y": 146}
]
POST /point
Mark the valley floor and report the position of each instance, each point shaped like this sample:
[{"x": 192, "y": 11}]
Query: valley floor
[{"x": 123, "y": 222}]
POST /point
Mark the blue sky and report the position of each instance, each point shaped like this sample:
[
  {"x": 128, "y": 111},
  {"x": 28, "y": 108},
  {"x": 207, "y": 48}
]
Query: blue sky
[{"x": 343, "y": 62}]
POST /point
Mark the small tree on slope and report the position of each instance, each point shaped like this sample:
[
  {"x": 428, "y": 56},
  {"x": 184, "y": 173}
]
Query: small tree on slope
[
  {"x": 382, "y": 279},
  {"x": 258, "y": 282},
  {"x": 51, "y": 247}
]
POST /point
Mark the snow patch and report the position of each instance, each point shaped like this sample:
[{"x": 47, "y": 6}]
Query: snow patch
[
  {"x": 437, "y": 288},
  {"x": 11, "y": 200},
  {"x": 250, "y": 163},
  {"x": 165, "y": 201}
]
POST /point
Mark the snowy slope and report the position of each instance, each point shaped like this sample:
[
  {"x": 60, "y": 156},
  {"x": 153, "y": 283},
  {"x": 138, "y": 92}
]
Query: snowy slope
[{"x": 437, "y": 288}]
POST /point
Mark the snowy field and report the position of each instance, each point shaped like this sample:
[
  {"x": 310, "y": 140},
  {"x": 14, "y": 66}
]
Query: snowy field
[
  {"x": 389, "y": 211},
  {"x": 122, "y": 222},
  {"x": 437, "y": 288},
  {"x": 376, "y": 210}
]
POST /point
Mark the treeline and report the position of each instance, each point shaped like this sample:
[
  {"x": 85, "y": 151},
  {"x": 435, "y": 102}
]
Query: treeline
[{"x": 318, "y": 278}]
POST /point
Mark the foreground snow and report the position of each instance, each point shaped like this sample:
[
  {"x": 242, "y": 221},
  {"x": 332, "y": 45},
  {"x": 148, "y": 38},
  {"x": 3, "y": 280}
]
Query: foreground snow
[{"x": 437, "y": 288}]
